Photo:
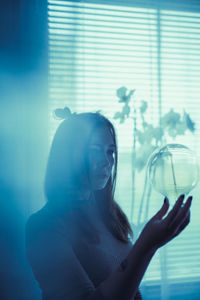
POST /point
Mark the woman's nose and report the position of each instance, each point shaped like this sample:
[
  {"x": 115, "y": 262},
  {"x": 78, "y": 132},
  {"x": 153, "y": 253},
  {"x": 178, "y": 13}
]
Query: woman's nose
[{"x": 104, "y": 160}]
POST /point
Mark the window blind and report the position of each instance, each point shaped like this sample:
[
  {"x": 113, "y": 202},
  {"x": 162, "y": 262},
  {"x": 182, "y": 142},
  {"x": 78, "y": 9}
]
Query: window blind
[{"x": 153, "y": 47}]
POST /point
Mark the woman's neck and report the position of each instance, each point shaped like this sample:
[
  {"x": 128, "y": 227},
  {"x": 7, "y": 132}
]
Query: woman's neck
[{"x": 86, "y": 194}]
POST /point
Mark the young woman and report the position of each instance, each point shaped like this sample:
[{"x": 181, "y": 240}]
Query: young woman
[{"x": 79, "y": 244}]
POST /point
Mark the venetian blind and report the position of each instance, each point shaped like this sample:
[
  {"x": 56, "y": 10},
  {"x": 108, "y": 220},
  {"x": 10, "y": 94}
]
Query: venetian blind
[{"x": 96, "y": 47}]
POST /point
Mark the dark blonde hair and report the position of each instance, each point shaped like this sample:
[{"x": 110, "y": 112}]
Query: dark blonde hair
[{"x": 67, "y": 166}]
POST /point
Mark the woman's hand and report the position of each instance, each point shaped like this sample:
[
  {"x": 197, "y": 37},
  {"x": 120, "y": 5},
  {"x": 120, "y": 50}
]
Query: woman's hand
[{"x": 159, "y": 231}]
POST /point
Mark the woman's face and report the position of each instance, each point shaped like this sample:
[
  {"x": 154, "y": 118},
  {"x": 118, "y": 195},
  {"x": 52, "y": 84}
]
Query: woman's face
[{"x": 101, "y": 158}]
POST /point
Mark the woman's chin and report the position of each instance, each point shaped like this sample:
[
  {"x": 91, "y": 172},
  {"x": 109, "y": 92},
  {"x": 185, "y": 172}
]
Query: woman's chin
[{"x": 100, "y": 185}]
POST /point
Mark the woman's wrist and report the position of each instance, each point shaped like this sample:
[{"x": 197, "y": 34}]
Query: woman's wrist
[{"x": 144, "y": 246}]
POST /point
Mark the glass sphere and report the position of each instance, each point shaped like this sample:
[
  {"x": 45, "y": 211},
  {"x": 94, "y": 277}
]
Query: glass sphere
[{"x": 173, "y": 170}]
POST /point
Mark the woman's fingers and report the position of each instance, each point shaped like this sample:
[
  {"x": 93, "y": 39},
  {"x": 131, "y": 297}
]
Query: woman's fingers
[
  {"x": 181, "y": 216},
  {"x": 183, "y": 225},
  {"x": 163, "y": 210},
  {"x": 172, "y": 214},
  {"x": 160, "y": 231}
]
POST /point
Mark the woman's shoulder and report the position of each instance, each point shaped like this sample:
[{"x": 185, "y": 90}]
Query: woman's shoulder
[
  {"x": 45, "y": 222},
  {"x": 41, "y": 218}
]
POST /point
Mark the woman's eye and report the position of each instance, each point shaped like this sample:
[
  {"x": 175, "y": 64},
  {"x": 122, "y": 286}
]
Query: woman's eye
[
  {"x": 111, "y": 152},
  {"x": 95, "y": 150}
]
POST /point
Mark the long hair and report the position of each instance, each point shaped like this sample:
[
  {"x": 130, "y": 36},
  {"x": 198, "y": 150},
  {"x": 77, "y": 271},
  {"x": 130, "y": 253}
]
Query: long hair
[{"x": 67, "y": 172}]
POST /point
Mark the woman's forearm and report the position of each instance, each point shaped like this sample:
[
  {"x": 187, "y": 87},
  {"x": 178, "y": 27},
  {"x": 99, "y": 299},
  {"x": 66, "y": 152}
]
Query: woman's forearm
[{"x": 123, "y": 283}]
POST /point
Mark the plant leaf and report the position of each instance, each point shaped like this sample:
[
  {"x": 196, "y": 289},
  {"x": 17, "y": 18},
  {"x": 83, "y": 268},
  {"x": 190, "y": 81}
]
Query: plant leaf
[
  {"x": 126, "y": 110},
  {"x": 170, "y": 119},
  {"x": 158, "y": 133},
  {"x": 143, "y": 107},
  {"x": 129, "y": 95},
  {"x": 190, "y": 124},
  {"x": 121, "y": 92},
  {"x": 117, "y": 115},
  {"x": 181, "y": 128}
]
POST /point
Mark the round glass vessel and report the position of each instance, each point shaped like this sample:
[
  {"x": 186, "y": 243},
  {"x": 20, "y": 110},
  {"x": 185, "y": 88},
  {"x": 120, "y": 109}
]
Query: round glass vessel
[{"x": 173, "y": 170}]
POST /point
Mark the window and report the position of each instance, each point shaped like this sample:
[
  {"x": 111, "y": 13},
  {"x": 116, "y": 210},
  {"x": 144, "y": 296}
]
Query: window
[{"x": 153, "y": 47}]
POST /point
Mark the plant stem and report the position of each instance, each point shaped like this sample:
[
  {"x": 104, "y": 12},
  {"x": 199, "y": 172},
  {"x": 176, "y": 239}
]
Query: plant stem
[
  {"x": 133, "y": 163},
  {"x": 142, "y": 201},
  {"x": 173, "y": 173}
]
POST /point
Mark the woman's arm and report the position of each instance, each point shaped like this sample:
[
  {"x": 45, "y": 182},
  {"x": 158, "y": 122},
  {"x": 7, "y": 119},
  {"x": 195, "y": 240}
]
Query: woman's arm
[
  {"x": 124, "y": 282},
  {"x": 61, "y": 275}
]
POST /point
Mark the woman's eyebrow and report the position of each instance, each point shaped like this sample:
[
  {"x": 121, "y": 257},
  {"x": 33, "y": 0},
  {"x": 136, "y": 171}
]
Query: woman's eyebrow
[
  {"x": 100, "y": 145},
  {"x": 95, "y": 144}
]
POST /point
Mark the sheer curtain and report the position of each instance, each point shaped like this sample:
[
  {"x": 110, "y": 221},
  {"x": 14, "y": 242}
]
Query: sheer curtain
[{"x": 96, "y": 47}]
